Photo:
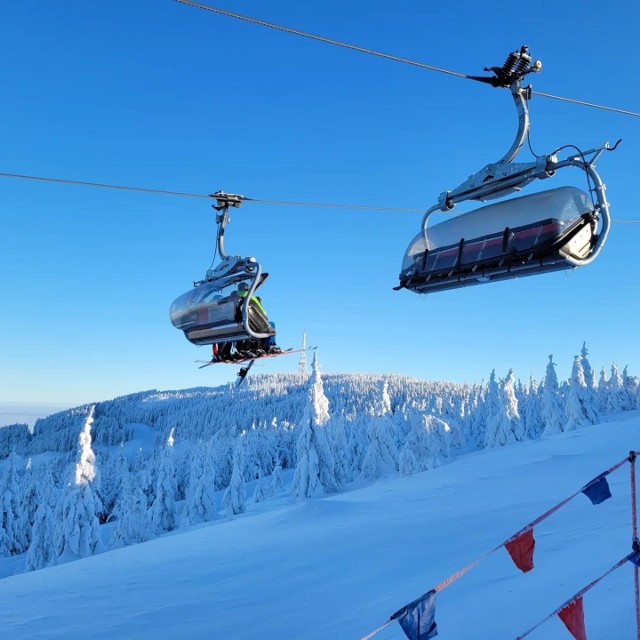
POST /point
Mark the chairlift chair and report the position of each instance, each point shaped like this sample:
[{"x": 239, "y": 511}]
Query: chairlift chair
[
  {"x": 551, "y": 230},
  {"x": 220, "y": 308}
]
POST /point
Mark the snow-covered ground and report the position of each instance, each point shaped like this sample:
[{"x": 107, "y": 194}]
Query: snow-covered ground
[{"x": 340, "y": 565}]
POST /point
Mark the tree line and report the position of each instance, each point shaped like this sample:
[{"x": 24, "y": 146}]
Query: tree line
[{"x": 292, "y": 435}]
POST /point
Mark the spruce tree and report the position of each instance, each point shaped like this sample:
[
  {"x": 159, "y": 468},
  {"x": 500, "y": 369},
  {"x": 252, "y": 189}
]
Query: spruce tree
[
  {"x": 602, "y": 391},
  {"x": 130, "y": 514},
  {"x": 42, "y": 551},
  {"x": 589, "y": 373},
  {"x": 505, "y": 426},
  {"x": 13, "y": 520},
  {"x": 161, "y": 516},
  {"x": 553, "y": 414},
  {"x": 579, "y": 405},
  {"x": 533, "y": 410},
  {"x": 78, "y": 533},
  {"x": 630, "y": 387},
  {"x": 276, "y": 481},
  {"x": 234, "y": 499},
  {"x": 315, "y": 470},
  {"x": 616, "y": 395},
  {"x": 427, "y": 445},
  {"x": 341, "y": 453},
  {"x": 381, "y": 457},
  {"x": 200, "y": 505}
]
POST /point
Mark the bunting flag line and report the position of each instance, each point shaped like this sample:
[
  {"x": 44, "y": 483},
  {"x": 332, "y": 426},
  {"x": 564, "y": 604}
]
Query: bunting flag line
[
  {"x": 418, "y": 617},
  {"x": 521, "y": 549}
]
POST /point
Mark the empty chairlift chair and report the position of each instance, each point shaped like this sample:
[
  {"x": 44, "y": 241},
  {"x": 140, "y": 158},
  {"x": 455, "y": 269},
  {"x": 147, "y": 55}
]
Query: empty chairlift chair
[
  {"x": 538, "y": 233},
  {"x": 547, "y": 231}
]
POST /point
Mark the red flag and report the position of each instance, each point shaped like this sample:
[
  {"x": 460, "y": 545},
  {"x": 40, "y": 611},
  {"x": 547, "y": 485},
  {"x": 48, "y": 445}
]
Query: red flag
[
  {"x": 573, "y": 617},
  {"x": 521, "y": 550}
]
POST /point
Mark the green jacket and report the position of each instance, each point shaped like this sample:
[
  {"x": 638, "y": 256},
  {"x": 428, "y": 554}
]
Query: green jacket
[{"x": 256, "y": 300}]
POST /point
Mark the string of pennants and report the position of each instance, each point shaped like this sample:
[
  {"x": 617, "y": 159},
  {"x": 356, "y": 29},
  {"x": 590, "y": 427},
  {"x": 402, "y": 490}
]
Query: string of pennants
[{"x": 417, "y": 619}]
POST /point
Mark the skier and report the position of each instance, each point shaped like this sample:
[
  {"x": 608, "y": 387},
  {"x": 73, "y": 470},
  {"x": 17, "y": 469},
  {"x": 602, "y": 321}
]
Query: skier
[{"x": 252, "y": 347}]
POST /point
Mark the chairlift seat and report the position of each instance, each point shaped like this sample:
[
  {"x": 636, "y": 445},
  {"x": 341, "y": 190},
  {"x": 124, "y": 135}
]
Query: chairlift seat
[
  {"x": 503, "y": 240},
  {"x": 207, "y": 317}
]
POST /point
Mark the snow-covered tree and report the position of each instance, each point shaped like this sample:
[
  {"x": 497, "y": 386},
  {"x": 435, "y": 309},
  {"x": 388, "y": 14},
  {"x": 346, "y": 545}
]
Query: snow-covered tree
[
  {"x": 341, "y": 451},
  {"x": 552, "y": 402},
  {"x": 579, "y": 403},
  {"x": 602, "y": 391},
  {"x": 476, "y": 420},
  {"x": 130, "y": 514},
  {"x": 358, "y": 442},
  {"x": 200, "y": 504},
  {"x": 276, "y": 481},
  {"x": 262, "y": 489},
  {"x": 29, "y": 498},
  {"x": 234, "y": 499},
  {"x": 427, "y": 446},
  {"x": 505, "y": 427},
  {"x": 589, "y": 373},
  {"x": 144, "y": 476},
  {"x": 162, "y": 515},
  {"x": 534, "y": 424},
  {"x": 491, "y": 407},
  {"x": 42, "y": 550},
  {"x": 223, "y": 445},
  {"x": 315, "y": 471},
  {"x": 616, "y": 395},
  {"x": 13, "y": 520},
  {"x": 78, "y": 531},
  {"x": 114, "y": 467},
  {"x": 381, "y": 457},
  {"x": 630, "y": 386}
]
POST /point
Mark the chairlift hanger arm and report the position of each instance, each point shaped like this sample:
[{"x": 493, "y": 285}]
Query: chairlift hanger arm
[
  {"x": 223, "y": 202},
  {"x": 489, "y": 181},
  {"x": 500, "y": 178}
]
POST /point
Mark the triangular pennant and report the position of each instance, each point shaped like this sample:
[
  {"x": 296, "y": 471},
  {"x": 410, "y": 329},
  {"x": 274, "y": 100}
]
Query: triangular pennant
[
  {"x": 597, "y": 490},
  {"x": 573, "y": 617},
  {"x": 521, "y": 550},
  {"x": 417, "y": 619}
]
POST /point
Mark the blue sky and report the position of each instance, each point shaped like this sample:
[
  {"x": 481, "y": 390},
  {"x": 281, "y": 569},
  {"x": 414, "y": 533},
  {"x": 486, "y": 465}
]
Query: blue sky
[{"x": 160, "y": 95}]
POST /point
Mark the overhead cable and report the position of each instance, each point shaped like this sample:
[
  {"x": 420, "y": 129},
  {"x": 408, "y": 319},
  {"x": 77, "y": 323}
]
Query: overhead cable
[
  {"x": 387, "y": 56},
  {"x": 204, "y": 195},
  {"x": 313, "y": 36},
  {"x": 291, "y": 203},
  {"x": 104, "y": 186}
]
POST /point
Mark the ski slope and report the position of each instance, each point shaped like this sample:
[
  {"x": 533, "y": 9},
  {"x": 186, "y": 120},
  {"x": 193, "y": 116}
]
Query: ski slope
[{"x": 339, "y": 566}]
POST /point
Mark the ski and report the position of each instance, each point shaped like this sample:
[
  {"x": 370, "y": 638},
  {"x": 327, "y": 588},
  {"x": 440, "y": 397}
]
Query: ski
[{"x": 240, "y": 361}]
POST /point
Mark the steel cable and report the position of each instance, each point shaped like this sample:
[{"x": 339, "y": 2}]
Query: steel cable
[
  {"x": 387, "y": 56},
  {"x": 292, "y": 203}
]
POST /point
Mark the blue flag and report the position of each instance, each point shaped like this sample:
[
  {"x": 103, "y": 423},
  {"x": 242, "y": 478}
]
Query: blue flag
[
  {"x": 597, "y": 490},
  {"x": 417, "y": 619}
]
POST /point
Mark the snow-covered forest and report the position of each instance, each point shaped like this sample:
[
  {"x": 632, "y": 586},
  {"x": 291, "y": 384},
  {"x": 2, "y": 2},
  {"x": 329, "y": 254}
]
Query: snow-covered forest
[{"x": 151, "y": 462}]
